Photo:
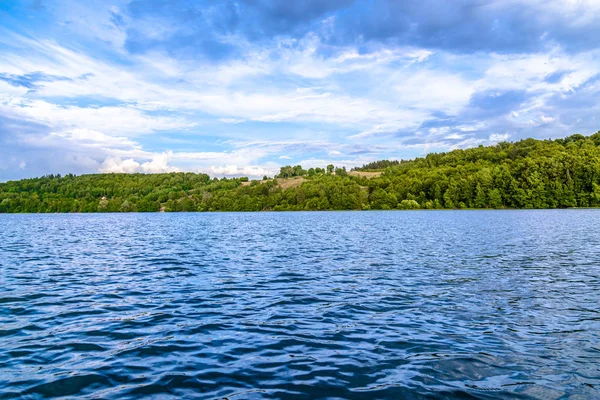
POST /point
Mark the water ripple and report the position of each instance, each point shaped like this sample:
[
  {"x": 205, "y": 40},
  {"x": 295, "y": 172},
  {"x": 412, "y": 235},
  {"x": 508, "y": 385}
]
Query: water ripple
[{"x": 469, "y": 304}]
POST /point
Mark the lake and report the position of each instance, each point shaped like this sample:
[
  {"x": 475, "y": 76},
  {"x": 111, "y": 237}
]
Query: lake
[{"x": 423, "y": 304}]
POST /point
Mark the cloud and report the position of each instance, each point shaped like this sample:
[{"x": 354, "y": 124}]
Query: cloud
[
  {"x": 277, "y": 17},
  {"x": 499, "y": 137},
  {"x": 495, "y": 102},
  {"x": 118, "y": 165},
  {"x": 253, "y": 171},
  {"x": 236, "y": 87},
  {"x": 158, "y": 164},
  {"x": 214, "y": 30},
  {"x": 30, "y": 80},
  {"x": 503, "y": 26},
  {"x": 117, "y": 120},
  {"x": 86, "y": 137}
]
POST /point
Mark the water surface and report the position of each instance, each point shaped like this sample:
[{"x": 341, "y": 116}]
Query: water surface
[{"x": 426, "y": 304}]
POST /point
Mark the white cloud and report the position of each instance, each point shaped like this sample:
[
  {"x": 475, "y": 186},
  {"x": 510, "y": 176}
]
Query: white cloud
[
  {"x": 159, "y": 164},
  {"x": 118, "y": 165},
  {"x": 9, "y": 92},
  {"x": 234, "y": 170},
  {"x": 139, "y": 89},
  {"x": 530, "y": 71},
  {"x": 123, "y": 120},
  {"x": 498, "y": 137},
  {"x": 87, "y": 137}
]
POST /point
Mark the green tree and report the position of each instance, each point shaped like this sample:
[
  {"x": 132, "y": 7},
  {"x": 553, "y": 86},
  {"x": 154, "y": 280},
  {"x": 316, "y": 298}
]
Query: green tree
[
  {"x": 494, "y": 198},
  {"x": 341, "y": 171},
  {"x": 409, "y": 205}
]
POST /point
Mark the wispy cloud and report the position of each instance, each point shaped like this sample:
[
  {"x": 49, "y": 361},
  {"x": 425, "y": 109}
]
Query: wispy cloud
[{"x": 243, "y": 87}]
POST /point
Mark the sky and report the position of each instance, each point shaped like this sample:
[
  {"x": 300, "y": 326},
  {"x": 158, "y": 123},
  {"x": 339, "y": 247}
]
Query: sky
[{"x": 242, "y": 87}]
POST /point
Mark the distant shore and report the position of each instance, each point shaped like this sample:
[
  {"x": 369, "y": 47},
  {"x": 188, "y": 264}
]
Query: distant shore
[{"x": 529, "y": 174}]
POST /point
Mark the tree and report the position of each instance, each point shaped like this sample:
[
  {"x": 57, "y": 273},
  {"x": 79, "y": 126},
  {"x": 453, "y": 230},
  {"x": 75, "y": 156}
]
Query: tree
[
  {"x": 298, "y": 171},
  {"x": 409, "y": 205},
  {"x": 146, "y": 205},
  {"x": 341, "y": 171},
  {"x": 494, "y": 198},
  {"x": 286, "y": 172},
  {"x": 126, "y": 207},
  {"x": 480, "y": 197}
]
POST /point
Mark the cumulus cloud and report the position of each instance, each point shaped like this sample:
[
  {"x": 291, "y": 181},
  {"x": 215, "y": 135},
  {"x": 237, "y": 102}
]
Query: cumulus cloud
[
  {"x": 158, "y": 164},
  {"x": 118, "y": 165},
  {"x": 234, "y": 170}
]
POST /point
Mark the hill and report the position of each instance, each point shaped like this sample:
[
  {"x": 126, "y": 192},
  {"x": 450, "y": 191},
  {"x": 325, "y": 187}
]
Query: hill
[{"x": 526, "y": 174}]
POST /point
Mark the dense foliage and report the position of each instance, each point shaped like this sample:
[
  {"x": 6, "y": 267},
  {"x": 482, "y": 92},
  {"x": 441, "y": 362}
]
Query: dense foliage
[
  {"x": 288, "y": 171},
  {"x": 527, "y": 174},
  {"x": 377, "y": 165}
]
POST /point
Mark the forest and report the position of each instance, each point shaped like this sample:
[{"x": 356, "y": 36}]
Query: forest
[{"x": 530, "y": 173}]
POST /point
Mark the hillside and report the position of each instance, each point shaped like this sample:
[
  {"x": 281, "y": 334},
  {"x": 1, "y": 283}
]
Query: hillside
[{"x": 526, "y": 174}]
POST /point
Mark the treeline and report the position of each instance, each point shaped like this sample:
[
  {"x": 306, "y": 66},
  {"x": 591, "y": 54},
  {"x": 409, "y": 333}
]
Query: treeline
[
  {"x": 526, "y": 174},
  {"x": 377, "y": 165},
  {"x": 288, "y": 171}
]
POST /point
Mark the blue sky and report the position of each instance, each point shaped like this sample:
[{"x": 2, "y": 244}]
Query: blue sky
[{"x": 242, "y": 87}]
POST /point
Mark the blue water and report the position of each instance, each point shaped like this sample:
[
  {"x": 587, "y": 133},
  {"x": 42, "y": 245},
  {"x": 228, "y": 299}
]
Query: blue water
[{"x": 425, "y": 304}]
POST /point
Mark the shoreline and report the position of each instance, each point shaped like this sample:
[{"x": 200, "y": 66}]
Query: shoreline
[{"x": 302, "y": 211}]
